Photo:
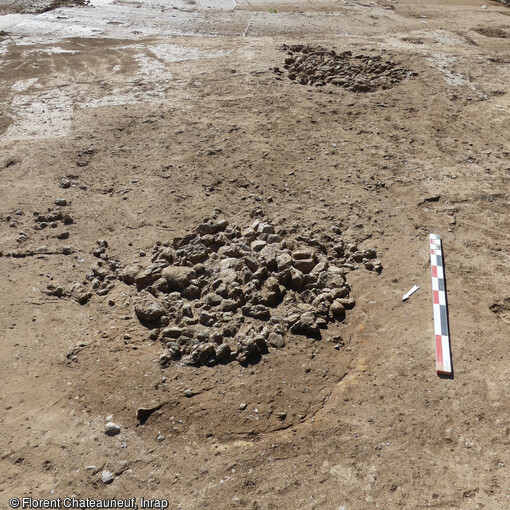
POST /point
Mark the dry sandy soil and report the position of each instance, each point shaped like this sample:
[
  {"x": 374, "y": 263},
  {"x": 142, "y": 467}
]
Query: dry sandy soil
[{"x": 163, "y": 113}]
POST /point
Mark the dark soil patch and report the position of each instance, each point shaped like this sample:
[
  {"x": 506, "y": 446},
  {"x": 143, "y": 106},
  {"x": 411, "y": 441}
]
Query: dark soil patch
[
  {"x": 56, "y": 4},
  {"x": 23, "y": 7},
  {"x": 412, "y": 40},
  {"x": 5, "y": 122},
  {"x": 502, "y": 309},
  {"x": 496, "y": 33}
]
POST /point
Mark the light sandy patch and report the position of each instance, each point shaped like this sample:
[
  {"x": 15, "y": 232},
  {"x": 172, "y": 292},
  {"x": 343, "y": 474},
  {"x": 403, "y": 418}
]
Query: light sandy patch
[
  {"x": 43, "y": 115},
  {"x": 55, "y": 50},
  {"x": 121, "y": 98},
  {"x": 442, "y": 63},
  {"x": 22, "y": 85}
]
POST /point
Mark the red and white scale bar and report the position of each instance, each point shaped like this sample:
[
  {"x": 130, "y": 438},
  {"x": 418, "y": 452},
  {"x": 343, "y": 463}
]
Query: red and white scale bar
[{"x": 443, "y": 354}]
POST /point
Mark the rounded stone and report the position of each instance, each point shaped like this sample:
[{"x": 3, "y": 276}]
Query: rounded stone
[
  {"x": 177, "y": 277},
  {"x": 111, "y": 429},
  {"x": 337, "y": 310},
  {"x": 148, "y": 308}
]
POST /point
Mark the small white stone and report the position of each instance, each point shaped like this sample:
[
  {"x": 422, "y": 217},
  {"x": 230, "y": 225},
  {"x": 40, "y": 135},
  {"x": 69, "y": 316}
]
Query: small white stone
[
  {"x": 107, "y": 477},
  {"x": 111, "y": 429}
]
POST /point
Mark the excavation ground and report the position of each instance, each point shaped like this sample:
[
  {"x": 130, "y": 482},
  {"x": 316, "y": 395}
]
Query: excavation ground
[{"x": 126, "y": 125}]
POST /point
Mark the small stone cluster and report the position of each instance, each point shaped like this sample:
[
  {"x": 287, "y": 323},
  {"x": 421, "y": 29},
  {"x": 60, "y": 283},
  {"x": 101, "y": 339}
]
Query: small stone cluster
[
  {"x": 100, "y": 280},
  {"x": 317, "y": 66},
  {"x": 52, "y": 220},
  {"x": 53, "y": 217},
  {"x": 224, "y": 293}
]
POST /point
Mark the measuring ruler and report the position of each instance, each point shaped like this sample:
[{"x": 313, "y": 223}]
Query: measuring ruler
[{"x": 441, "y": 332}]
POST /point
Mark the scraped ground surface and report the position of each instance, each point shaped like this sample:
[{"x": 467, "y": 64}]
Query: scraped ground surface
[{"x": 162, "y": 111}]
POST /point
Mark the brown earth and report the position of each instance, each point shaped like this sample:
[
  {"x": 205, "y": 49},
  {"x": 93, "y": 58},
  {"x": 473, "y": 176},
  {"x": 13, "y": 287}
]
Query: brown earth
[{"x": 369, "y": 425}]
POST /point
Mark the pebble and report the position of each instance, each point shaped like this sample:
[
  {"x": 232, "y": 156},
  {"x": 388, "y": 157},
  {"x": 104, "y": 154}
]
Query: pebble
[
  {"x": 337, "y": 310},
  {"x": 177, "y": 277},
  {"x": 148, "y": 308},
  {"x": 302, "y": 254},
  {"x": 258, "y": 245},
  {"x": 275, "y": 340},
  {"x": 265, "y": 228},
  {"x": 223, "y": 353},
  {"x": 348, "y": 303},
  {"x": 107, "y": 477},
  {"x": 257, "y": 312},
  {"x": 111, "y": 429},
  {"x": 65, "y": 183},
  {"x": 172, "y": 332},
  {"x": 284, "y": 261},
  {"x": 274, "y": 239},
  {"x": 61, "y": 202},
  {"x": 304, "y": 265},
  {"x": 306, "y": 325}
]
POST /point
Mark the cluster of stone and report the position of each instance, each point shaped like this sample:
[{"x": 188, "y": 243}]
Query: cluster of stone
[
  {"x": 53, "y": 217},
  {"x": 225, "y": 293},
  {"x": 318, "y": 66},
  {"x": 100, "y": 280}
]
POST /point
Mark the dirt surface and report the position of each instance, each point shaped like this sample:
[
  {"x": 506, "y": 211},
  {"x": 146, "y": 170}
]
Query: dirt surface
[{"x": 142, "y": 119}]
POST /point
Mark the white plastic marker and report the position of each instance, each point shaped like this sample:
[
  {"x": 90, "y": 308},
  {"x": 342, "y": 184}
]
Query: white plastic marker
[
  {"x": 405, "y": 297},
  {"x": 443, "y": 355}
]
